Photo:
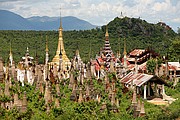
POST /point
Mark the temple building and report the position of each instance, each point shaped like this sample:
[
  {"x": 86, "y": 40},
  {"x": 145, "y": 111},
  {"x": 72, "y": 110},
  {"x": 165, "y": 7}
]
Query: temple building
[
  {"x": 61, "y": 52},
  {"x": 138, "y": 58},
  {"x": 107, "y": 54},
  {"x": 173, "y": 69},
  {"x": 25, "y": 69},
  {"x": 146, "y": 85},
  {"x": 142, "y": 55},
  {"x": 105, "y": 61}
]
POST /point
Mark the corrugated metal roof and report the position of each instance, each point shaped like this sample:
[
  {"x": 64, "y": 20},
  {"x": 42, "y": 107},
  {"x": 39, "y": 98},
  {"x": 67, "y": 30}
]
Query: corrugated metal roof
[{"x": 137, "y": 79}]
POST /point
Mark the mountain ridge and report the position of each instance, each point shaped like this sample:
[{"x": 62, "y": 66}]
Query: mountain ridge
[{"x": 13, "y": 21}]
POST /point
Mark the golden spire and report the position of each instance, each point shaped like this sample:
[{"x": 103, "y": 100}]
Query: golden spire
[
  {"x": 60, "y": 28},
  {"x": 60, "y": 42},
  {"x": 119, "y": 43},
  {"x": 46, "y": 44},
  {"x": 119, "y": 52},
  {"x": 107, "y": 34},
  {"x": 125, "y": 47},
  {"x": 27, "y": 49},
  {"x": 10, "y": 50},
  {"x": 77, "y": 52},
  {"x": 60, "y": 49},
  {"x": 60, "y": 19},
  {"x": 10, "y": 55},
  {"x": 89, "y": 49}
]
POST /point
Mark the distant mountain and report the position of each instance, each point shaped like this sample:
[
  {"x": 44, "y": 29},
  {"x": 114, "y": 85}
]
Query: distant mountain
[
  {"x": 12, "y": 21},
  {"x": 52, "y": 23}
]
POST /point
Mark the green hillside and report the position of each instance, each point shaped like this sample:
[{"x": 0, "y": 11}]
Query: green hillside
[{"x": 138, "y": 34}]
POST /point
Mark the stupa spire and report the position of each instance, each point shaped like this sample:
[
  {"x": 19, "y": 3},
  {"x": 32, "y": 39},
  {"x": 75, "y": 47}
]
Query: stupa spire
[
  {"x": 90, "y": 50},
  {"x": 27, "y": 49},
  {"x": 47, "y": 44},
  {"x": 10, "y": 54},
  {"x": 107, "y": 34},
  {"x": 60, "y": 28},
  {"x": 107, "y": 48},
  {"x": 119, "y": 51},
  {"x": 60, "y": 49},
  {"x": 125, "y": 53},
  {"x": 47, "y": 54},
  {"x": 60, "y": 19}
]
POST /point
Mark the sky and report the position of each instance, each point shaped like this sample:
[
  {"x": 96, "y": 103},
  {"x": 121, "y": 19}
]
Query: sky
[{"x": 99, "y": 12}]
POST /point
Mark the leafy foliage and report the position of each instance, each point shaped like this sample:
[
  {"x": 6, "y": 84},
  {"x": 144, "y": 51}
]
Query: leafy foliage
[
  {"x": 89, "y": 110},
  {"x": 151, "y": 65}
]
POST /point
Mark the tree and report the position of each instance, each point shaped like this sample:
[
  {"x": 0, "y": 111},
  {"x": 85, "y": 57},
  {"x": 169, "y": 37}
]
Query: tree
[
  {"x": 174, "y": 49},
  {"x": 151, "y": 65}
]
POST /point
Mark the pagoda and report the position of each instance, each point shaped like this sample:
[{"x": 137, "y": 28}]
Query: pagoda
[
  {"x": 105, "y": 59},
  {"x": 60, "y": 49},
  {"x": 107, "y": 52}
]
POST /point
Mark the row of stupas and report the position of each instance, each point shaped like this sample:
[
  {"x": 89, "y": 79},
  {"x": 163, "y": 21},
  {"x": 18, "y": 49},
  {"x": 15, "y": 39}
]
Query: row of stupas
[{"x": 80, "y": 75}]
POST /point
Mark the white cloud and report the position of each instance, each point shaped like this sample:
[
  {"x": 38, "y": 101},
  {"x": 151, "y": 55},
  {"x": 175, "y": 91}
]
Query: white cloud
[
  {"x": 176, "y": 20},
  {"x": 98, "y": 12}
]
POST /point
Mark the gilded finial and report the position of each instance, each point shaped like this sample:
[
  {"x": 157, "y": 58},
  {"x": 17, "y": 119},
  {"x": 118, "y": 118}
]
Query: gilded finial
[
  {"x": 46, "y": 44},
  {"x": 118, "y": 54},
  {"x": 27, "y": 50},
  {"x": 77, "y": 52},
  {"x": 107, "y": 34},
  {"x": 90, "y": 49},
  {"x": 60, "y": 19},
  {"x": 60, "y": 28},
  {"x": 119, "y": 46},
  {"x": 10, "y": 49},
  {"x": 125, "y": 47}
]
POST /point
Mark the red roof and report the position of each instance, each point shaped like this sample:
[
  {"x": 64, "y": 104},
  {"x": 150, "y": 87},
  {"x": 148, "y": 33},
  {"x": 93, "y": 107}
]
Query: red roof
[
  {"x": 136, "y": 52},
  {"x": 136, "y": 79},
  {"x": 100, "y": 60},
  {"x": 131, "y": 66},
  {"x": 97, "y": 66},
  {"x": 93, "y": 62},
  {"x": 170, "y": 67}
]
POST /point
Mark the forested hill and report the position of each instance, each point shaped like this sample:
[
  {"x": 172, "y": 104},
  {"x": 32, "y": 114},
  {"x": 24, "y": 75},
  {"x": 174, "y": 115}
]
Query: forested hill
[
  {"x": 134, "y": 27},
  {"x": 138, "y": 34}
]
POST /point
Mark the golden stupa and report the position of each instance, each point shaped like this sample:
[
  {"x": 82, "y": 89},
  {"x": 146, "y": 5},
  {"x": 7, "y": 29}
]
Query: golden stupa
[{"x": 65, "y": 60}]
